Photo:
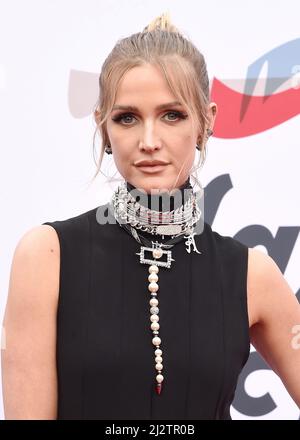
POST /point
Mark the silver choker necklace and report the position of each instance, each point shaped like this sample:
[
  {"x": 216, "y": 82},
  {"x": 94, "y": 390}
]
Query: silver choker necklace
[{"x": 176, "y": 222}]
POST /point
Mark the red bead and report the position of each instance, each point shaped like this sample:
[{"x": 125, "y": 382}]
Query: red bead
[{"x": 158, "y": 388}]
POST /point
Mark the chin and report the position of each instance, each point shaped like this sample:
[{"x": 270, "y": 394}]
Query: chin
[{"x": 153, "y": 184}]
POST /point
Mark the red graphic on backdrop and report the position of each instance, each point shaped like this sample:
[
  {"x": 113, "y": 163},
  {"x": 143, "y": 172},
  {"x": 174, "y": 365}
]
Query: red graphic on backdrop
[{"x": 262, "y": 114}]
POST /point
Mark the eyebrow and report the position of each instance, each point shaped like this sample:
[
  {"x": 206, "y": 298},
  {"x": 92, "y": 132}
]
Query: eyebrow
[{"x": 133, "y": 108}]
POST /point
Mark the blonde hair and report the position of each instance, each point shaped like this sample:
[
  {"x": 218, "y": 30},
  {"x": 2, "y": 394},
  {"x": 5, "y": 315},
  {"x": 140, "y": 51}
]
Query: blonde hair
[{"x": 184, "y": 67}]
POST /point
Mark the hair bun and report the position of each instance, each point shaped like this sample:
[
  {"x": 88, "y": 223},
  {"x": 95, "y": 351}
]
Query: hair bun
[{"x": 163, "y": 22}]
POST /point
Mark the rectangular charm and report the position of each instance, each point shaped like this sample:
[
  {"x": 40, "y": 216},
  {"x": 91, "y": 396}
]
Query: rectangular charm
[
  {"x": 168, "y": 229},
  {"x": 155, "y": 261}
]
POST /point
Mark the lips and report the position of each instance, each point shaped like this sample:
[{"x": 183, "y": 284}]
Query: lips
[
  {"x": 152, "y": 168},
  {"x": 150, "y": 163}
]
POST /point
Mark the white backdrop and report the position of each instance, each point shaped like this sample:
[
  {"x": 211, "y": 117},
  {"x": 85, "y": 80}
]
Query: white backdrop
[{"x": 51, "y": 52}]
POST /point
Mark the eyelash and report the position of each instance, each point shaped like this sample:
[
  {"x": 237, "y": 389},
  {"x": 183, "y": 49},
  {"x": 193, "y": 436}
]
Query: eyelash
[{"x": 119, "y": 118}]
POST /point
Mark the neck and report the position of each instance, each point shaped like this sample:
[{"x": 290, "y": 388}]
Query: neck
[{"x": 163, "y": 201}]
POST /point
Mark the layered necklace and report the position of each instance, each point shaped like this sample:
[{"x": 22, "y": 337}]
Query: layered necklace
[{"x": 179, "y": 224}]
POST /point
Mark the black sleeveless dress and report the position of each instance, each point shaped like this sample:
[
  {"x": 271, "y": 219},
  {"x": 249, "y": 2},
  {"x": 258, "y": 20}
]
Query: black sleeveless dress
[{"x": 105, "y": 356}]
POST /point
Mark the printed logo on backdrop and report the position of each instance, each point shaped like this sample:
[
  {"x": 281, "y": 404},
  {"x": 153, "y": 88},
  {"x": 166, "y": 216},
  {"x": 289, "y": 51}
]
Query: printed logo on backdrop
[
  {"x": 241, "y": 113},
  {"x": 246, "y": 107},
  {"x": 251, "y": 106},
  {"x": 252, "y": 110}
]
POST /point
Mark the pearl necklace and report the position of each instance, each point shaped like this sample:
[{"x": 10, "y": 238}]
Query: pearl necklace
[{"x": 131, "y": 221}]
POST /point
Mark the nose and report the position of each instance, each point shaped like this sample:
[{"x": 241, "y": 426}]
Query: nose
[
  {"x": 149, "y": 142},
  {"x": 149, "y": 148}
]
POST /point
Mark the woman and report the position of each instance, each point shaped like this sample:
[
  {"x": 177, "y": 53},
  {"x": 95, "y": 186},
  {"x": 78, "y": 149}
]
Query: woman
[{"x": 137, "y": 309}]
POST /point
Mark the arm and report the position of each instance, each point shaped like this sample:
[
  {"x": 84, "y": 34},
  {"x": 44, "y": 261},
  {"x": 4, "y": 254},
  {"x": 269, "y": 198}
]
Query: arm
[
  {"x": 29, "y": 354},
  {"x": 277, "y": 314}
]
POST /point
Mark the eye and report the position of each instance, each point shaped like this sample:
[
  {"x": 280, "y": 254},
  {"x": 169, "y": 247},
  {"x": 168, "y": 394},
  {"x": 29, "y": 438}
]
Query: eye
[
  {"x": 121, "y": 117},
  {"x": 124, "y": 117},
  {"x": 177, "y": 115}
]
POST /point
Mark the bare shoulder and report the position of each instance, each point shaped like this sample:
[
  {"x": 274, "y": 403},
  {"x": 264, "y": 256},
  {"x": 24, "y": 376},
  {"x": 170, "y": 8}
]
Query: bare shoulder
[
  {"x": 35, "y": 265},
  {"x": 41, "y": 238},
  {"x": 28, "y": 358},
  {"x": 261, "y": 269},
  {"x": 266, "y": 286}
]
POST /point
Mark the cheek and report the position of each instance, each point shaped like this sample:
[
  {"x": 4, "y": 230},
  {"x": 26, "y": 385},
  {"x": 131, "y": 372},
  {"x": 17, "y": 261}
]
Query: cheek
[
  {"x": 122, "y": 156},
  {"x": 184, "y": 157},
  {"x": 185, "y": 151},
  {"x": 121, "y": 159},
  {"x": 120, "y": 144}
]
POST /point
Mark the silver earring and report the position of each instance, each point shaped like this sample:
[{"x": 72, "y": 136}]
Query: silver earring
[{"x": 108, "y": 149}]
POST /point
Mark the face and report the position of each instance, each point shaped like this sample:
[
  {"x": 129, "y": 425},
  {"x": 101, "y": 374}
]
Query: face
[{"x": 151, "y": 131}]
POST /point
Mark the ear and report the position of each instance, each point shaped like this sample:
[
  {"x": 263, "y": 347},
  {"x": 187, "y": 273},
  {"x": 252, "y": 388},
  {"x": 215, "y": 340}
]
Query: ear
[{"x": 212, "y": 110}]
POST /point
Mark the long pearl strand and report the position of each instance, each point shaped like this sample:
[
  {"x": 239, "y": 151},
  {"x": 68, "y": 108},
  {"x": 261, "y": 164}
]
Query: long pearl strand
[{"x": 154, "y": 318}]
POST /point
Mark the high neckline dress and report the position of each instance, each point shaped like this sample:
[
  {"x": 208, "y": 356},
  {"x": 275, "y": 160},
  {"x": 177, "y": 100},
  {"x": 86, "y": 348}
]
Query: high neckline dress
[{"x": 104, "y": 351}]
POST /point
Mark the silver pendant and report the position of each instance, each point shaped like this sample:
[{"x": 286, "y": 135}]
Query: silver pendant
[{"x": 191, "y": 242}]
